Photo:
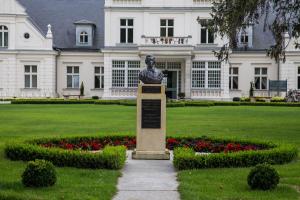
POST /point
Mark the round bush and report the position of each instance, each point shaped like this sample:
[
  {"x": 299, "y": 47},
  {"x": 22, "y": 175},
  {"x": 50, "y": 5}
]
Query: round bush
[
  {"x": 263, "y": 177},
  {"x": 39, "y": 173}
]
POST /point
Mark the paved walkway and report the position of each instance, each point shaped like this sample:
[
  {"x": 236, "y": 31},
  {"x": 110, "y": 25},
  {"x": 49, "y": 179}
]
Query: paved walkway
[{"x": 147, "y": 180}]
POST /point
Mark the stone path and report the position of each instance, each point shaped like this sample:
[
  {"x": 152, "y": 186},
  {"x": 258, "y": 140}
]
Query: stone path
[{"x": 147, "y": 180}]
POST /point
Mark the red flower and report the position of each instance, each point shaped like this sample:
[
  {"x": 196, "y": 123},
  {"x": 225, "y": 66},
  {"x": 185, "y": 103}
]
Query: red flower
[
  {"x": 96, "y": 146},
  {"x": 69, "y": 146}
]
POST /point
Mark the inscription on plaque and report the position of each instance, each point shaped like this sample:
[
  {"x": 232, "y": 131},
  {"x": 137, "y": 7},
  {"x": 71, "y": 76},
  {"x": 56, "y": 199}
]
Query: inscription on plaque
[
  {"x": 151, "y": 89},
  {"x": 151, "y": 113}
]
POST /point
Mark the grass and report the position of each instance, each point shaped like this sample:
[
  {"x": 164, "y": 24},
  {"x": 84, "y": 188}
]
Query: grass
[{"x": 20, "y": 122}]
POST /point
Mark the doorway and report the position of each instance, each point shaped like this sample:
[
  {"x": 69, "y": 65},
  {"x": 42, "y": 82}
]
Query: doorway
[{"x": 171, "y": 84}]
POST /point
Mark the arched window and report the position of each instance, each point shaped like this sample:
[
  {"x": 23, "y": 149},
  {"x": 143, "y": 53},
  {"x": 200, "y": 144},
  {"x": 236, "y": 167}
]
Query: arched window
[
  {"x": 3, "y": 36},
  {"x": 84, "y": 38}
]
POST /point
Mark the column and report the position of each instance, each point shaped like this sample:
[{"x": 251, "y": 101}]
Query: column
[
  {"x": 187, "y": 77},
  {"x": 225, "y": 79}
]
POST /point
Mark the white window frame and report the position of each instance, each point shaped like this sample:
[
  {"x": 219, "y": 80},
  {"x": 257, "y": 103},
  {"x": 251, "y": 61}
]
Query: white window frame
[
  {"x": 84, "y": 37},
  {"x": 127, "y": 27},
  {"x": 31, "y": 73},
  {"x": 260, "y": 76},
  {"x": 209, "y": 70},
  {"x": 207, "y": 36},
  {"x": 73, "y": 75},
  {"x": 166, "y": 27},
  {"x": 232, "y": 76},
  {"x": 4, "y": 34},
  {"x": 244, "y": 36},
  {"x": 125, "y": 66},
  {"x": 99, "y": 74}
]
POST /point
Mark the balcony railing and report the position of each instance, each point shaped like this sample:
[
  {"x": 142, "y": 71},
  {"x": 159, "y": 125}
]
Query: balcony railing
[{"x": 166, "y": 40}]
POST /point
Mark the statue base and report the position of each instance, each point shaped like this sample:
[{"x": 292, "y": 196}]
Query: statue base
[
  {"x": 151, "y": 155},
  {"x": 151, "y": 123}
]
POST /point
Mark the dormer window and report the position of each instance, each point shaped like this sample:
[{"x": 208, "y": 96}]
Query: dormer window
[
  {"x": 84, "y": 33},
  {"x": 3, "y": 36},
  {"x": 84, "y": 37},
  {"x": 244, "y": 37}
]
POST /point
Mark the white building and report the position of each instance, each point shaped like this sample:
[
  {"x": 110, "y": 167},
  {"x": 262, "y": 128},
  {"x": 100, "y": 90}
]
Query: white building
[{"x": 103, "y": 43}]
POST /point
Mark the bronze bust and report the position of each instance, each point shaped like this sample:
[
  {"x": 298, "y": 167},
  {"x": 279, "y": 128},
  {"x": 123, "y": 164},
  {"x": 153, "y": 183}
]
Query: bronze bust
[{"x": 151, "y": 75}]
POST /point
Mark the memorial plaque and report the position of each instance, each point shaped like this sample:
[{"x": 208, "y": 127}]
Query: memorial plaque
[
  {"x": 151, "y": 89},
  {"x": 151, "y": 113}
]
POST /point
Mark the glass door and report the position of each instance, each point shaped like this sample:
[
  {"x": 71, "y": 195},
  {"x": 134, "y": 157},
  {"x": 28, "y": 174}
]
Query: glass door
[{"x": 171, "y": 84}]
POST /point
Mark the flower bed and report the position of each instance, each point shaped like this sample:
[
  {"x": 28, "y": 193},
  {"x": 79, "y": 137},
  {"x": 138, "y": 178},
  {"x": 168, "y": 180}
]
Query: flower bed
[
  {"x": 203, "y": 144},
  {"x": 214, "y": 152}
]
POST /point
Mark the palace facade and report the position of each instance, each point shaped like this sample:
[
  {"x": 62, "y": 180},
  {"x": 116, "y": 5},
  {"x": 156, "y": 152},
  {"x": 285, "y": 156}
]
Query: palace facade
[{"x": 48, "y": 48}]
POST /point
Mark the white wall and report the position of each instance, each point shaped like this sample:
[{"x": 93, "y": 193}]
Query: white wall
[
  {"x": 37, "y": 50},
  {"x": 86, "y": 63},
  {"x": 147, "y": 23}
]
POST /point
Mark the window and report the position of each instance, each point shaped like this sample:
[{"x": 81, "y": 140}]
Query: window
[
  {"x": 126, "y": 31},
  {"x": 206, "y": 75},
  {"x": 214, "y": 74},
  {"x": 99, "y": 77},
  {"x": 198, "y": 75},
  {"x": 125, "y": 74},
  {"x": 84, "y": 37},
  {"x": 233, "y": 78},
  {"x": 167, "y": 28},
  {"x": 298, "y": 78},
  {"x": 207, "y": 36},
  {"x": 3, "y": 36},
  {"x": 261, "y": 78},
  {"x": 72, "y": 77},
  {"x": 30, "y": 76},
  {"x": 244, "y": 37}
]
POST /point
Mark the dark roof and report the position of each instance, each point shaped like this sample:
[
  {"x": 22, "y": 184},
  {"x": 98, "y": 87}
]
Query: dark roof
[
  {"x": 62, "y": 15},
  {"x": 263, "y": 39}
]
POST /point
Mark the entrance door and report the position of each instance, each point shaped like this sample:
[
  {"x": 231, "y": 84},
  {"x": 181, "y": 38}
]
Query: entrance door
[{"x": 171, "y": 84}]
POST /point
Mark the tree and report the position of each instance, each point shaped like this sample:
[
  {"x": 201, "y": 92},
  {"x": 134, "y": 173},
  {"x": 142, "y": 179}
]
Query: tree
[
  {"x": 230, "y": 16},
  {"x": 81, "y": 89}
]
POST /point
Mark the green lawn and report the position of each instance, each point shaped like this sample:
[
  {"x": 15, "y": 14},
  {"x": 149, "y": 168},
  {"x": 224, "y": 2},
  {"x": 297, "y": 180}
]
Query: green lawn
[{"x": 279, "y": 124}]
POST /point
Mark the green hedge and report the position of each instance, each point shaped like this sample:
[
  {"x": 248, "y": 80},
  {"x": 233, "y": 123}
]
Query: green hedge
[
  {"x": 186, "y": 158},
  {"x": 109, "y": 158},
  {"x": 51, "y": 101},
  {"x": 169, "y": 103},
  {"x": 11, "y": 197}
]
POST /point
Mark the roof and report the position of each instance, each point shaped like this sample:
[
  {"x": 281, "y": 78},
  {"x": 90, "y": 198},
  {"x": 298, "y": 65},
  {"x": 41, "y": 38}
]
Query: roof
[
  {"x": 63, "y": 15},
  {"x": 85, "y": 22}
]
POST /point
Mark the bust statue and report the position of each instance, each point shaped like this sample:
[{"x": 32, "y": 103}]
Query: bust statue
[{"x": 151, "y": 75}]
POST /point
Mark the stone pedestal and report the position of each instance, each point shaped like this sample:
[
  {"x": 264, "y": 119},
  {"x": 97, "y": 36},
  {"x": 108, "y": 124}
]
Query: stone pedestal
[{"x": 151, "y": 123}]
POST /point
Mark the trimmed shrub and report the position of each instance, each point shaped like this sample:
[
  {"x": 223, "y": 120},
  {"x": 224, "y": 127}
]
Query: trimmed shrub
[
  {"x": 278, "y": 99},
  {"x": 263, "y": 177},
  {"x": 109, "y": 158},
  {"x": 95, "y": 97},
  {"x": 108, "y": 102},
  {"x": 39, "y": 173},
  {"x": 222, "y": 103},
  {"x": 199, "y": 103},
  {"x": 176, "y": 104},
  {"x": 236, "y": 99},
  {"x": 280, "y": 154},
  {"x": 51, "y": 101}
]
